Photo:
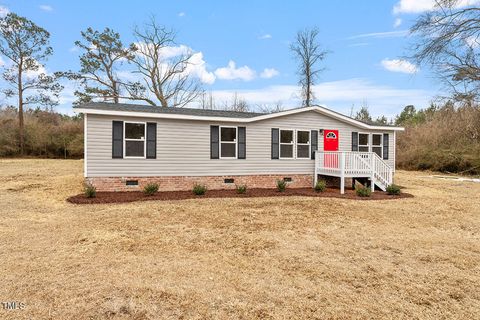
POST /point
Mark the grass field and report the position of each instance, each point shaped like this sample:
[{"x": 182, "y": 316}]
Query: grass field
[{"x": 259, "y": 258}]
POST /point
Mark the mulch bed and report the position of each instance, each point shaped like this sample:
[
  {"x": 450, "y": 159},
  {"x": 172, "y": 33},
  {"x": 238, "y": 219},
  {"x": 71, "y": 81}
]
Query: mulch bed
[{"x": 131, "y": 196}]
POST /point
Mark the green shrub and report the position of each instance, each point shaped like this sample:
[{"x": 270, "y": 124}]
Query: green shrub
[
  {"x": 320, "y": 186},
  {"x": 150, "y": 189},
  {"x": 90, "y": 191},
  {"x": 241, "y": 188},
  {"x": 281, "y": 185},
  {"x": 199, "y": 189},
  {"x": 393, "y": 189},
  {"x": 363, "y": 191}
]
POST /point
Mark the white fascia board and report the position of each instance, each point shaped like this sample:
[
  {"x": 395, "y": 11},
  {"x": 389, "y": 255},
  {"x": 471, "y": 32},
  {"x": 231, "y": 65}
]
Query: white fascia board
[{"x": 318, "y": 109}]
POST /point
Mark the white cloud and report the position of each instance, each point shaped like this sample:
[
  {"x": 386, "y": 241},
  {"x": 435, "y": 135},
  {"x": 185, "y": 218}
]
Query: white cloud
[
  {"x": 4, "y": 11},
  {"x": 265, "y": 36},
  {"x": 397, "y": 23},
  {"x": 73, "y": 49},
  {"x": 2, "y": 62},
  {"x": 418, "y": 6},
  {"x": 399, "y": 65},
  {"x": 338, "y": 95},
  {"x": 198, "y": 67},
  {"x": 45, "y": 7},
  {"x": 30, "y": 74},
  {"x": 268, "y": 73},
  {"x": 181, "y": 14},
  {"x": 388, "y": 34},
  {"x": 231, "y": 72},
  {"x": 67, "y": 95}
]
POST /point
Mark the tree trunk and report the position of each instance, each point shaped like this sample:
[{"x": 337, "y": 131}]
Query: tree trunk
[
  {"x": 307, "y": 94},
  {"x": 115, "y": 91},
  {"x": 163, "y": 102},
  {"x": 20, "y": 111}
]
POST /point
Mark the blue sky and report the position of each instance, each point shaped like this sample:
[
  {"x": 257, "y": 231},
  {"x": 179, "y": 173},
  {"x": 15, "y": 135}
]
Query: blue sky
[{"x": 243, "y": 46}]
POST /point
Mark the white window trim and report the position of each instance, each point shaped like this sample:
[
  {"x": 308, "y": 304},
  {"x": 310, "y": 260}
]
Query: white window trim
[
  {"x": 293, "y": 143},
  {"x": 368, "y": 145},
  {"x": 220, "y": 142},
  {"x": 309, "y": 144},
  {"x": 378, "y": 146},
  {"x": 144, "y": 141}
]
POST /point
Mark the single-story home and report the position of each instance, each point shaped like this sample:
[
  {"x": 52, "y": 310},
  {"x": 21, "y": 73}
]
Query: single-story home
[{"x": 128, "y": 146}]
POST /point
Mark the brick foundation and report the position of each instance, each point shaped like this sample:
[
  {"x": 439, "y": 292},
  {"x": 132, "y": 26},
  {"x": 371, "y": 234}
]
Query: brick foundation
[{"x": 186, "y": 182}]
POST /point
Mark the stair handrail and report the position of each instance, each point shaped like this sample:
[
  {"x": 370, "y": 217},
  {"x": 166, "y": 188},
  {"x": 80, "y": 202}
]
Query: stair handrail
[{"x": 383, "y": 171}]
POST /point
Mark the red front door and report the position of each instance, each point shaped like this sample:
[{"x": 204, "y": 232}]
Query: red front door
[
  {"x": 330, "y": 143},
  {"x": 330, "y": 140}
]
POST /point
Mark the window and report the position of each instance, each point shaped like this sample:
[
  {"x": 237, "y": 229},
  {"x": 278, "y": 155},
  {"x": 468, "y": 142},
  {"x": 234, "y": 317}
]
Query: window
[
  {"x": 377, "y": 145},
  {"x": 303, "y": 144},
  {"x": 286, "y": 143},
  {"x": 363, "y": 145},
  {"x": 134, "y": 139},
  {"x": 228, "y": 142},
  {"x": 331, "y": 135}
]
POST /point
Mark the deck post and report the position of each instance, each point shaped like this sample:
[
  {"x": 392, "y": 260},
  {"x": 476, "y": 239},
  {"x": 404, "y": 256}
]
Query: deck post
[
  {"x": 342, "y": 172},
  {"x": 372, "y": 179},
  {"x": 315, "y": 173}
]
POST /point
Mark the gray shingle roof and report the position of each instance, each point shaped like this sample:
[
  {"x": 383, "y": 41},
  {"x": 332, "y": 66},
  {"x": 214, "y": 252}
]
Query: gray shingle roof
[
  {"x": 108, "y": 106},
  {"x": 183, "y": 111}
]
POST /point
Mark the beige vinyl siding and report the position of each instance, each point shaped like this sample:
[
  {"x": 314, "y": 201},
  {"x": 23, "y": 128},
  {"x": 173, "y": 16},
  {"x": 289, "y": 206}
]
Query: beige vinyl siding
[{"x": 183, "y": 147}]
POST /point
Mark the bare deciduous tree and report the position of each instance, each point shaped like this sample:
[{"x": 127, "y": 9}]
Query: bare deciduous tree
[
  {"x": 268, "y": 108},
  {"x": 26, "y": 46},
  {"x": 207, "y": 101},
  {"x": 309, "y": 54},
  {"x": 166, "y": 74},
  {"x": 448, "y": 39}
]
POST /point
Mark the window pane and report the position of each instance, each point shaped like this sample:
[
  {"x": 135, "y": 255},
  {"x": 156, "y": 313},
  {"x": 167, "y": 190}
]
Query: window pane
[
  {"x": 377, "y": 150},
  {"x": 134, "y": 130},
  {"x": 286, "y": 151},
  {"x": 228, "y": 150},
  {"x": 134, "y": 148},
  {"x": 229, "y": 134},
  {"x": 363, "y": 149},
  {"x": 376, "y": 140},
  {"x": 286, "y": 136},
  {"x": 303, "y": 136},
  {"x": 363, "y": 139},
  {"x": 303, "y": 151}
]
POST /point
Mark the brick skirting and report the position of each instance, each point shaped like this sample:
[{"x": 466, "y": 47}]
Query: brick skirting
[{"x": 187, "y": 182}]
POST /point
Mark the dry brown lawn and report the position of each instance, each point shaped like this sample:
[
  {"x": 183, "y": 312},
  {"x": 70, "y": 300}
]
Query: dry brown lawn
[{"x": 281, "y": 258}]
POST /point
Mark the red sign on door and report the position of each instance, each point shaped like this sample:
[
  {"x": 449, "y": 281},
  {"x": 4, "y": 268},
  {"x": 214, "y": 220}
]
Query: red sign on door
[{"x": 330, "y": 140}]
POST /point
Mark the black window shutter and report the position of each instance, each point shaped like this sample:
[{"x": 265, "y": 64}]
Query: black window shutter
[
  {"x": 117, "y": 139},
  {"x": 314, "y": 142},
  {"x": 151, "y": 140},
  {"x": 214, "y": 139},
  {"x": 385, "y": 146},
  {"x": 354, "y": 141},
  {"x": 242, "y": 143},
  {"x": 275, "y": 138}
]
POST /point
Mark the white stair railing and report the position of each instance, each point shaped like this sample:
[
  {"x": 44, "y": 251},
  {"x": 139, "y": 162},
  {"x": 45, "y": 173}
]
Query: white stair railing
[
  {"x": 383, "y": 172},
  {"x": 354, "y": 164}
]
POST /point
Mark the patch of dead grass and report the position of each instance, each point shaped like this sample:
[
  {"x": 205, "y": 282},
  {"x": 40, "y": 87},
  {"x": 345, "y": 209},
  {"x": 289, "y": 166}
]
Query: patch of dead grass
[{"x": 292, "y": 257}]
